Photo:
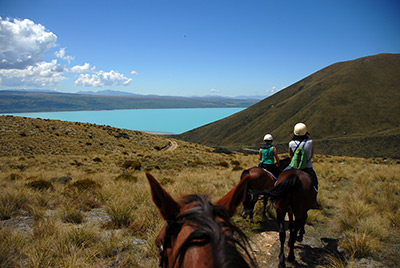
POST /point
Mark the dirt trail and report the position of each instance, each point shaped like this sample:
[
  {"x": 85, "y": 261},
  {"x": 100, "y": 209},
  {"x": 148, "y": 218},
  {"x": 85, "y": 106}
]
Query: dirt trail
[
  {"x": 262, "y": 245},
  {"x": 172, "y": 145}
]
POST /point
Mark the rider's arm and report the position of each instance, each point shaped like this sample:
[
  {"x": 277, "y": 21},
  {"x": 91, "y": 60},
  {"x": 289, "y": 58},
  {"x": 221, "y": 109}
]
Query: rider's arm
[
  {"x": 312, "y": 149},
  {"x": 276, "y": 155}
]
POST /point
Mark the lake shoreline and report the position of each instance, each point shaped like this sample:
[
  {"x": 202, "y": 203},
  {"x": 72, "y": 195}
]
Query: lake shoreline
[{"x": 162, "y": 122}]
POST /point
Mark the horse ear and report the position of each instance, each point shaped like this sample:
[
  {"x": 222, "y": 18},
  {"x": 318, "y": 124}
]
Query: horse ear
[
  {"x": 167, "y": 206},
  {"x": 235, "y": 196}
]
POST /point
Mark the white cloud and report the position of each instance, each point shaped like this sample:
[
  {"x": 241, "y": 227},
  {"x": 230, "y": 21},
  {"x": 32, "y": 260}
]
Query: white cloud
[
  {"x": 23, "y": 43},
  {"x": 102, "y": 78},
  {"x": 81, "y": 68},
  {"x": 213, "y": 90},
  {"x": 272, "y": 90},
  {"x": 61, "y": 54},
  {"x": 41, "y": 74}
]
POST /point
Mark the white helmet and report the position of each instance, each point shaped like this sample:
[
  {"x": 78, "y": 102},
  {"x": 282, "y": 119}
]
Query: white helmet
[
  {"x": 268, "y": 137},
  {"x": 300, "y": 129}
]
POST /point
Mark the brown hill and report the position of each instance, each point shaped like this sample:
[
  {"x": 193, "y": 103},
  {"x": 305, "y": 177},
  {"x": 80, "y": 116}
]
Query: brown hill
[
  {"x": 350, "y": 108},
  {"x": 31, "y": 138}
]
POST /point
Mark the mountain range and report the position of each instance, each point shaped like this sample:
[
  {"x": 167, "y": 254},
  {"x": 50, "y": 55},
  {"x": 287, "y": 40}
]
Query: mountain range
[
  {"x": 23, "y": 101},
  {"x": 350, "y": 108}
]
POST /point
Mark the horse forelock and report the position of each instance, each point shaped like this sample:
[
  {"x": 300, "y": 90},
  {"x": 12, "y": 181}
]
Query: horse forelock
[{"x": 212, "y": 227}]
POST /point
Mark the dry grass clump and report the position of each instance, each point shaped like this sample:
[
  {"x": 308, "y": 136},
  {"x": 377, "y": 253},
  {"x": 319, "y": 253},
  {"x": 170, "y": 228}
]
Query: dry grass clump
[
  {"x": 88, "y": 218},
  {"x": 85, "y": 185},
  {"x": 40, "y": 185},
  {"x": 361, "y": 198},
  {"x": 71, "y": 214},
  {"x": 133, "y": 164},
  {"x": 127, "y": 176},
  {"x": 12, "y": 201}
]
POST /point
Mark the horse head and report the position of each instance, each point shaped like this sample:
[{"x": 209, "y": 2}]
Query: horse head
[{"x": 199, "y": 233}]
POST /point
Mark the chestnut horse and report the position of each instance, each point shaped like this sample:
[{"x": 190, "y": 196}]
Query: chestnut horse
[
  {"x": 261, "y": 180},
  {"x": 199, "y": 233},
  {"x": 293, "y": 194}
]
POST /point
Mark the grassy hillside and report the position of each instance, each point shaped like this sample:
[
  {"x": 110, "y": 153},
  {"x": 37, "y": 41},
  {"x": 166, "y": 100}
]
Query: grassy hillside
[
  {"x": 25, "y": 101},
  {"x": 343, "y": 104},
  {"x": 75, "y": 195}
]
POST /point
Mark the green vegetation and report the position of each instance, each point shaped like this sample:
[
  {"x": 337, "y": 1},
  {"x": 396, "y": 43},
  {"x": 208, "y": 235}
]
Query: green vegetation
[{"x": 350, "y": 108}]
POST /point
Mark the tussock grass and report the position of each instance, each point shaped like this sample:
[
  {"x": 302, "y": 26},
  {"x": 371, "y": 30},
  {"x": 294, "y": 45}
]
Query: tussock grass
[{"x": 93, "y": 220}]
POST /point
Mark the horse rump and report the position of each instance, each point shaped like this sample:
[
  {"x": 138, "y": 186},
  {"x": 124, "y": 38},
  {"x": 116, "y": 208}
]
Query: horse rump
[{"x": 287, "y": 185}]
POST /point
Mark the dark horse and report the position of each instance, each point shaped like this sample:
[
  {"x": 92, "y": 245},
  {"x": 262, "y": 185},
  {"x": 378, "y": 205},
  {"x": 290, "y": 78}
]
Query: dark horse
[
  {"x": 293, "y": 194},
  {"x": 260, "y": 181},
  {"x": 199, "y": 233}
]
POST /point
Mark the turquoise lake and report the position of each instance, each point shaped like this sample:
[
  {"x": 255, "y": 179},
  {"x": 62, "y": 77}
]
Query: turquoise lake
[{"x": 174, "y": 121}]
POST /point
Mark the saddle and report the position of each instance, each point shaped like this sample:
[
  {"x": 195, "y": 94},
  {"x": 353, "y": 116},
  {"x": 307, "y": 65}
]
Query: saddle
[{"x": 273, "y": 176}]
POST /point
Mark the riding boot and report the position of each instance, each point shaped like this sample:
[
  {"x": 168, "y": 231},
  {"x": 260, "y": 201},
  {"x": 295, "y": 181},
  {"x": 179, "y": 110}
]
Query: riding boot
[{"x": 315, "y": 204}]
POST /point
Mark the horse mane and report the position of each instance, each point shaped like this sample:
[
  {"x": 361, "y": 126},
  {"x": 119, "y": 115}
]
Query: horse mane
[
  {"x": 212, "y": 225},
  {"x": 285, "y": 186}
]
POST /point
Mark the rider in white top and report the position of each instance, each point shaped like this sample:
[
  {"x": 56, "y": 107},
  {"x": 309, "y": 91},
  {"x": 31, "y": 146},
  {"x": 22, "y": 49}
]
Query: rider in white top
[
  {"x": 301, "y": 140},
  {"x": 307, "y": 145}
]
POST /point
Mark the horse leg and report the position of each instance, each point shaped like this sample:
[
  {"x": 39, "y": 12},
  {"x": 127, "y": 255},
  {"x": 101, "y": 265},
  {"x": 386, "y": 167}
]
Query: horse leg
[
  {"x": 282, "y": 238},
  {"x": 265, "y": 201},
  {"x": 248, "y": 206},
  {"x": 291, "y": 226},
  {"x": 302, "y": 231},
  {"x": 298, "y": 225}
]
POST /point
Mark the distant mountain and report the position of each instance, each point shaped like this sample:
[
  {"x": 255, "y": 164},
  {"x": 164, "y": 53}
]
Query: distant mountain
[
  {"x": 32, "y": 101},
  {"x": 108, "y": 93},
  {"x": 350, "y": 108}
]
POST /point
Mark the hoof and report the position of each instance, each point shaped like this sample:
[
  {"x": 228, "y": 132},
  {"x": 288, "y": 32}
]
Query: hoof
[{"x": 291, "y": 258}]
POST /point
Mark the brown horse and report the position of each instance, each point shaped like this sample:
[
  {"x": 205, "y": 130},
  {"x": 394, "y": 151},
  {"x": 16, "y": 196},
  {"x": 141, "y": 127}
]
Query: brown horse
[
  {"x": 293, "y": 194},
  {"x": 199, "y": 233},
  {"x": 260, "y": 181}
]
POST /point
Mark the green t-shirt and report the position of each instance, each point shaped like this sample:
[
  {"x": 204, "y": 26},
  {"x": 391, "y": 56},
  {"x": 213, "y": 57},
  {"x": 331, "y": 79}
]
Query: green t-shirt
[{"x": 267, "y": 155}]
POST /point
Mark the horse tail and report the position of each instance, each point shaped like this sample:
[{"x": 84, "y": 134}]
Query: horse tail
[
  {"x": 244, "y": 174},
  {"x": 286, "y": 186}
]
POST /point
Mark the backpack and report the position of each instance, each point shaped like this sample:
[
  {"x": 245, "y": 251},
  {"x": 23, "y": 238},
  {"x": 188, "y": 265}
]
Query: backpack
[{"x": 299, "y": 159}]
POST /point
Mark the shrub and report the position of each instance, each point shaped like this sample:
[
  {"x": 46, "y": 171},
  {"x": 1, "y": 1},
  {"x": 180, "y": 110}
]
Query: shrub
[
  {"x": 195, "y": 163},
  {"x": 40, "y": 185},
  {"x": 127, "y": 177},
  {"x": 97, "y": 160},
  {"x": 85, "y": 184},
  {"x": 63, "y": 180},
  {"x": 235, "y": 163},
  {"x": 166, "y": 180},
  {"x": 134, "y": 164},
  {"x": 221, "y": 150},
  {"x": 236, "y": 168},
  {"x": 223, "y": 164},
  {"x": 14, "y": 177}
]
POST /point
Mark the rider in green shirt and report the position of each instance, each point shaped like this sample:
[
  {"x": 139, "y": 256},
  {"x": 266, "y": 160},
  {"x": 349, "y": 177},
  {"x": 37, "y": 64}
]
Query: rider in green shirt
[{"x": 267, "y": 154}]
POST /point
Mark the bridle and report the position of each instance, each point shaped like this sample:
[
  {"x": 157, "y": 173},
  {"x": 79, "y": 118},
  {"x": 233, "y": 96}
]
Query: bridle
[{"x": 170, "y": 227}]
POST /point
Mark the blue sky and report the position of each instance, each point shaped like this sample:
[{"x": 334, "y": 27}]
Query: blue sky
[{"x": 186, "y": 48}]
